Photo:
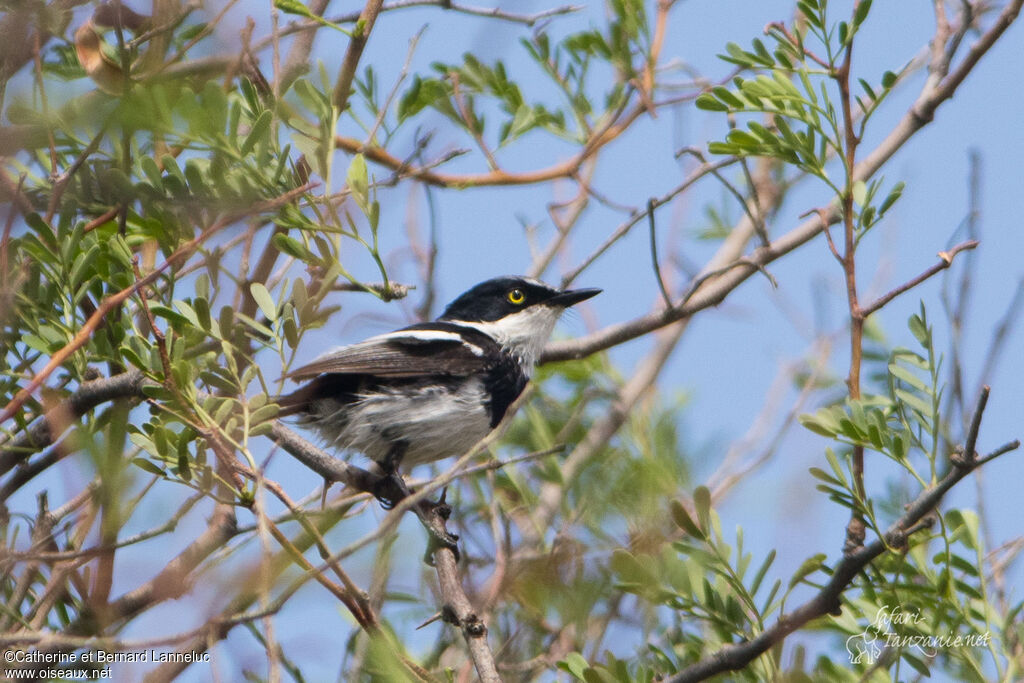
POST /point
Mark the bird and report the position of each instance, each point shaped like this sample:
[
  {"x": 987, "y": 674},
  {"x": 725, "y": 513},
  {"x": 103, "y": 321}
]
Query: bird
[{"x": 431, "y": 390}]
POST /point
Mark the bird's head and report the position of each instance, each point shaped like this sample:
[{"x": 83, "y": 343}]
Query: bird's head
[{"x": 518, "y": 312}]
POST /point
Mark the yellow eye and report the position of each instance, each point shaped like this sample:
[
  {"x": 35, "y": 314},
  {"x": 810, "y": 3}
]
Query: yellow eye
[{"x": 516, "y": 297}]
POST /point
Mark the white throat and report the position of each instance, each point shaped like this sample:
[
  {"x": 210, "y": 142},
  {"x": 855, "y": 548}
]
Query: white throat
[{"x": 522, "y": 334}]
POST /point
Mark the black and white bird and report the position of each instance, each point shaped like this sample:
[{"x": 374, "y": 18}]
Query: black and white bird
[{"x": 432, "y": 390}]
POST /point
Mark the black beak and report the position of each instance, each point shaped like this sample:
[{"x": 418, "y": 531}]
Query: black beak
[{"x": 571, "y": 297}]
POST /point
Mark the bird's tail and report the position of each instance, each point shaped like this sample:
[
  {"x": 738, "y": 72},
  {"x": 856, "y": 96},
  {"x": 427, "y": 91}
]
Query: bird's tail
[{"x": 297, "y": 402}]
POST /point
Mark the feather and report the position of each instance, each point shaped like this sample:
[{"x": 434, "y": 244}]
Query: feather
[{"x": 419, "y": 350}]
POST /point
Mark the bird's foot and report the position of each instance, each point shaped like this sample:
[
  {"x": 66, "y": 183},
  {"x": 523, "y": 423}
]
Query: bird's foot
[{"x": 390, "y": 490}]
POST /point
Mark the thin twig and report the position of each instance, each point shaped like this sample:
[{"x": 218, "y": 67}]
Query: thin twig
[
  {"x": 624, "y": 229},
  {"x": 654, "y": 254},
  {"x": 946, "y": 260}
]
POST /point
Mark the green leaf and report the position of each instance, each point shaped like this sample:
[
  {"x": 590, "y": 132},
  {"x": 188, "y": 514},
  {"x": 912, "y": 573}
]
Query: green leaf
[
  {"x": 823, "y": 422},
  {"x": 267, "y": 412},
  {"x": 907, "y": 377},
  {"x": 202, "y": 309},
  {"x": 152, "y": 172},
  {"x": 297, "y": 8},
  {"x": 630, "y": 570},
  {"x": 723, "y": 148},
  {"x": 575, "y": 664},
  {"x": 146, "y": 465},
  {"x": 170, "y": 165},
  {"x": 894, "y": 194},
  {"x": 292, "y": 247},
  {"x": 264, "y": 300},
  {"x": 259, "y": 130},
  {"x": 867, "y": 89},
  {"x": 702, "y": 501},
  {"x": 727, "y": 97},
  {"x": 358, "y": 181},
  {"x": 225, "y": 322},
  {"x": 809, "y": 9},
  {"x": 821, "y": 474},
  {"x": 83, "y": 263},
  {"x": 916, "y": 663},
  {"x": 737, "y": 55},
  {"x": 920, "y": 330},
  {"x": 809, "y": 566},
  {"x": 762, "y": 53},
  {"x": 743, "y": 139},
  {"x": 710, "y": 103},
  {"x": 314, "y": 100},
  {"x": 176, "y": 319},
  {"x": 861, "y": 13},
  {"x": 683, "y": 520},
  {"x": 759, "y": 577},
  {"x": 184, "y": 468},
  {"x": 966, "y": 525}
]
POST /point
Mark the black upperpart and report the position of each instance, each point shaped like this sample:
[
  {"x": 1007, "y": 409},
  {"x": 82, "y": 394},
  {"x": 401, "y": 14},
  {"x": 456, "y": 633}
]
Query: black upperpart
[{"x": 494, "y": 299}]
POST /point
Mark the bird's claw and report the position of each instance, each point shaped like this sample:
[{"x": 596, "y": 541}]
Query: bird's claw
[{"x": 390, "y": 490}]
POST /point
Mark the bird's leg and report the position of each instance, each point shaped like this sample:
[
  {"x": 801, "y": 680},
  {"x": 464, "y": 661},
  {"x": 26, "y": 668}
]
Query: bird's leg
[{"x": 391, "y": 488}]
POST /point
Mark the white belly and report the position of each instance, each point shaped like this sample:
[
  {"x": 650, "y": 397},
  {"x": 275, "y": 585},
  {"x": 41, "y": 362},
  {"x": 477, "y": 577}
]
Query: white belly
[{"x": 435, "y": 423}]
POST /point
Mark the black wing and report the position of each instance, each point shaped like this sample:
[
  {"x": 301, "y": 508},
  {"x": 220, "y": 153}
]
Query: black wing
[{"x": 419, "y": 350}]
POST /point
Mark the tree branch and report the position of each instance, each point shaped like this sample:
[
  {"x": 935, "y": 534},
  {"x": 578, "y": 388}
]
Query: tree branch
[
  {"x": 360, "y": 34},
  {"x": 946, "y": 260},
  {"x": 46, "y": 429}
]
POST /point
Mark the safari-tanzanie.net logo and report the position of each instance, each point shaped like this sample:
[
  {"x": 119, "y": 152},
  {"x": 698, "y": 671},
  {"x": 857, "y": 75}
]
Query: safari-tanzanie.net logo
[{"x": 902, "y": 627}]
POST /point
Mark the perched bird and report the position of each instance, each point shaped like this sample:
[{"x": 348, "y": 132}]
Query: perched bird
[{"x": 431, "y": 390}]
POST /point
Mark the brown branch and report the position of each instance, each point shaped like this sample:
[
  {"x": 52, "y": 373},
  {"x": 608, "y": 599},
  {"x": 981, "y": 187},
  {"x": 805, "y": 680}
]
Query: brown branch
[
  {"x": 330, "y": 468},
  {"x": 488, "y": 12},
  {"x": 666, "y": 297},
  {"x": 356, "y": 44},
  {"x": 48, "y": 427},
  {"x": 824, "y": 216},
  {"x": 856, "y": 528},
  {"x": 381, "y": 156},
  {"x": 310, "y": 27},
  {"x": 64, "y": 555},
  {"x": 969, "y": 453},
  {"x": 946, "y": 260},
  {"x": 616, "y": 125},
  {"x": 458, "y": 611}
]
